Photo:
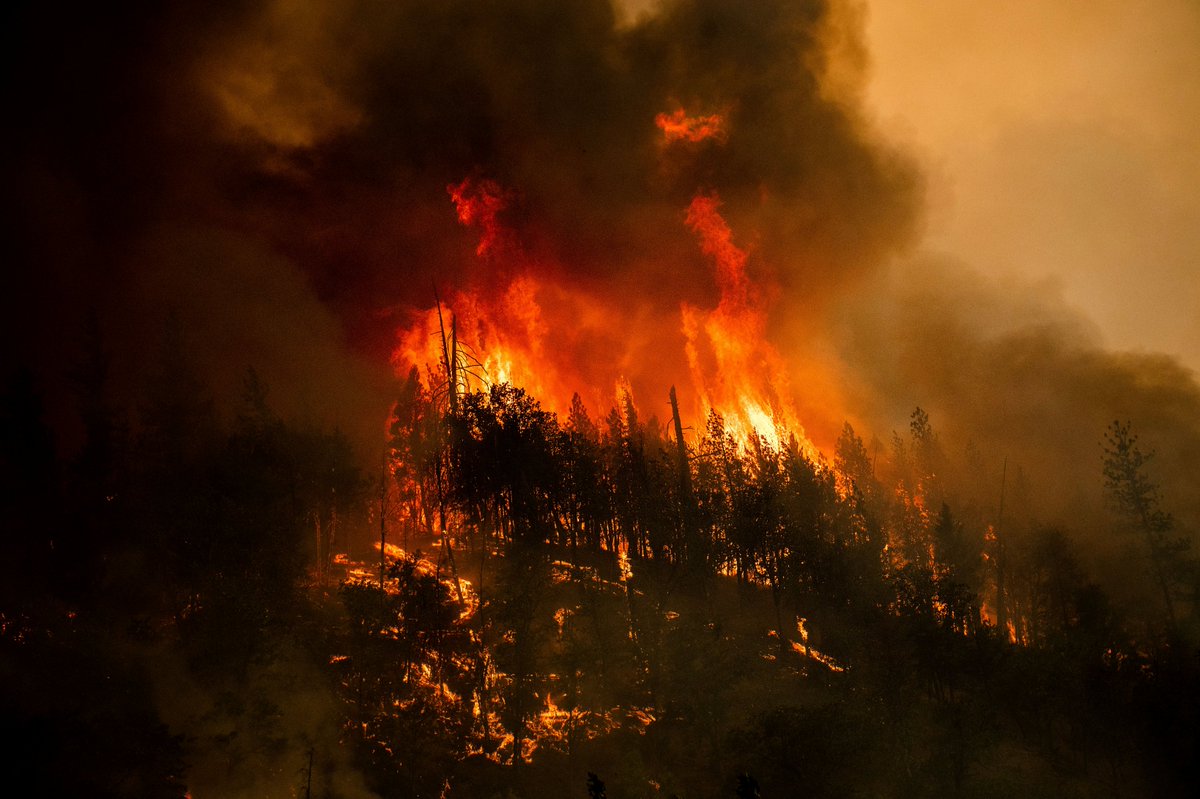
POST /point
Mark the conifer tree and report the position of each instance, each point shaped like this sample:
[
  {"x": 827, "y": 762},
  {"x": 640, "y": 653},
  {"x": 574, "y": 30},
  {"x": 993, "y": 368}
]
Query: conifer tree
[{"x": 1135, "y": 496}]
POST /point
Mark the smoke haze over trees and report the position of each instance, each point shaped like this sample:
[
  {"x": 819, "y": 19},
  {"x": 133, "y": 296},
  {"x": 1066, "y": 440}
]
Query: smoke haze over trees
[{"x": 968, "y": 599}]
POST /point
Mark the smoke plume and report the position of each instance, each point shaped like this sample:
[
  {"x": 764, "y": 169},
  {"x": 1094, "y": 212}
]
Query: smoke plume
[{"x": 276, "y": 173}]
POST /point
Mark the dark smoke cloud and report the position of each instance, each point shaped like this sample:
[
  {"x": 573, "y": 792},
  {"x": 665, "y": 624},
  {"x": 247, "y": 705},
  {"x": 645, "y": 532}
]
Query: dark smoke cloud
[
  {"x": 276, "y": 173},
  {"x": 557, "y": 102},
  {"x": 307, "y": 147}
]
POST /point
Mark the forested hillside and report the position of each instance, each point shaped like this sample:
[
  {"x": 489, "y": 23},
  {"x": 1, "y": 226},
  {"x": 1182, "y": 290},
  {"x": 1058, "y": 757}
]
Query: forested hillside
[
  {"x": 570, "y": 607},
  {"x": 627, "y": 418}
]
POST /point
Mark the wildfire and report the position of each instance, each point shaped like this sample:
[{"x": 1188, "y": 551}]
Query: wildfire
[
  {"x": 805, "y": 647},
  {"x": 735, "y": 370},
  {"x": 526, "y": 327},
  {"x": 502, "y": 332},
  {"x": 479, "y": 204}
]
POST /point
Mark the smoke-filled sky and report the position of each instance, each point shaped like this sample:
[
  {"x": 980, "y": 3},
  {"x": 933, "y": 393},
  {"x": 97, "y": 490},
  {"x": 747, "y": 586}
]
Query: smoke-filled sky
[
  {"x": 1059, "y": 149},
  {"x": 1059, "y": 141},
  {"x": 968, "y": 211}
]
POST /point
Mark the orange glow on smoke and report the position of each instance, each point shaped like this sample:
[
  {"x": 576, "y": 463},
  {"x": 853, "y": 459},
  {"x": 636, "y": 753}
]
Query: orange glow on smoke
[
  {"x": 678, "y": 126},
  {"x": 479, "y": 203}
]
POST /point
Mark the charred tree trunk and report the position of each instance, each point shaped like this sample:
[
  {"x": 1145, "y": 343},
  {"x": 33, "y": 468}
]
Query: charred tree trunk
[{"x": 690, "y": 542}]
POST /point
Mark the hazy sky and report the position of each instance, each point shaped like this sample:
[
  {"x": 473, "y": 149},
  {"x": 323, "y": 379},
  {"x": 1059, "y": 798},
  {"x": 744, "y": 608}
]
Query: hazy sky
[{"x": 1060, "y": 143}]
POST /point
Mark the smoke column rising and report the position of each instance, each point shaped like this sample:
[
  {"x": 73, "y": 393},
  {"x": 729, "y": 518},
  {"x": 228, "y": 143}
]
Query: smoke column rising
[{"x": 277, "y": 174}]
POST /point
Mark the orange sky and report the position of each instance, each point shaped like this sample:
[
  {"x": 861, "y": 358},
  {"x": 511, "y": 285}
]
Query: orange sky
[{"x": 1060, "y": 143}]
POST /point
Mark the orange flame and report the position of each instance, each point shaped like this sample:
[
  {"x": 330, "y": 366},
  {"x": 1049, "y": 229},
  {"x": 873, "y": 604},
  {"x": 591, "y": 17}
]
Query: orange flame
[
  {"x": 735, "y": 369},
  {"x": 501, "y": 331},
  {"x": 479, "y": 203},
  {"x": 527, "y": 328},
  {"x": 678, "y": 126},
  {"x": 498, "y": 339}
]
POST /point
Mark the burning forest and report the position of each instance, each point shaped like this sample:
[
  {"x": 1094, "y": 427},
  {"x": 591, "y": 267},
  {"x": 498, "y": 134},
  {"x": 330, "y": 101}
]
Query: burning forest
[{"x": 531, "y": 399}]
